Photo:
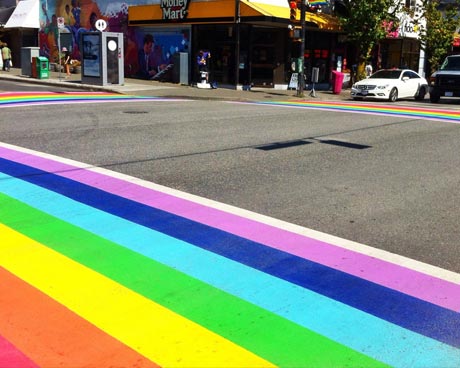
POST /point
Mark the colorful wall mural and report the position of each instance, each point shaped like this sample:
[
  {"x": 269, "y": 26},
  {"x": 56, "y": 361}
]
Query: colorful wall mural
[{"x": 149, "y": 61}]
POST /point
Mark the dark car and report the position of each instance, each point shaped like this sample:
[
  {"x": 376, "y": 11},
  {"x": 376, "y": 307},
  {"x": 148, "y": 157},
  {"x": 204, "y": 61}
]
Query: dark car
[{"x": 446, "y": 81}]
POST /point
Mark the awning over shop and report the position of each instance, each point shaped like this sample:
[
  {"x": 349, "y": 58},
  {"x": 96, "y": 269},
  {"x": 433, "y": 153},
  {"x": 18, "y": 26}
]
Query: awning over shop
[
  {"x": 253, "y": 11},
  {"x": 456, "y": 42},
  {"x": 323, "y": 21},
  {"x": 5, "y": 14},
  {"x": 253, "y": 8},
  {"x": 223, "y": 11},
  {"x": 26, "y": 15}
]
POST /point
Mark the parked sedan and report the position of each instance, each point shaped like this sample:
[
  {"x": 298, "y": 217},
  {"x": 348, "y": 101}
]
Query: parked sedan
[{"x": 391, "y": 84}]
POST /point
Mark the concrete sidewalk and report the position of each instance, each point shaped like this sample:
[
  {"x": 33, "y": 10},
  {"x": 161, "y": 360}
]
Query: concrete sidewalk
[{"x": 140, "y": 87}]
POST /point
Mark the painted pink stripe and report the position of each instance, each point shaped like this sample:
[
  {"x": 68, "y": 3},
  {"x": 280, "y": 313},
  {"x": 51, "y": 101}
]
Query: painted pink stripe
[
  {"x": 11, "y": 357},
  {"x": 408, "y": 281}
]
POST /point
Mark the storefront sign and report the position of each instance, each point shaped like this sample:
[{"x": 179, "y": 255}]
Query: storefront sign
[
  {"x": 408, "y": 28},
  {"x": 174, "y": 9}
]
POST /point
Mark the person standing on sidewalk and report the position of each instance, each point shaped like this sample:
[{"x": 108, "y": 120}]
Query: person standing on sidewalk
[
  {"x": 66, "y": 61},
  {"x": 369, "y": 69},
  {"x": 202, "y": 62},
  {"x": 6, "y": 55}
]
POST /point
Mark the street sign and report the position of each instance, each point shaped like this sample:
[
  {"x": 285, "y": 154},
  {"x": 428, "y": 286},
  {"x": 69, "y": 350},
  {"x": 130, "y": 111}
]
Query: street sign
[
  {"x": 101, "y": 24},
  {"x": 294, "y": 80},
  {"x": 60, "y": 22}
]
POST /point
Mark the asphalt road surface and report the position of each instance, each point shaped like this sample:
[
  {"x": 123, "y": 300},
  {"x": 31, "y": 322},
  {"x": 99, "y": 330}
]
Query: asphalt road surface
[{"x": 388, "y": 182}]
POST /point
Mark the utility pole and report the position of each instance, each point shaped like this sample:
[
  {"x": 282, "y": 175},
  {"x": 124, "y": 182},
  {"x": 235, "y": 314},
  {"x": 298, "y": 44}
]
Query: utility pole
[
  {"x": 237, "y": 46},
  {"x": 301, "y": 79}
]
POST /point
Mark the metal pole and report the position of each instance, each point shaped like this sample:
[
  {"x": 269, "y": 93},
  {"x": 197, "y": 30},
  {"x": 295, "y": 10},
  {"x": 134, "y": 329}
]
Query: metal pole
[
  {"x": 59, "y": 51},
  {"x": 237, "y": 46},
  {"x": 301, "y": 79}
]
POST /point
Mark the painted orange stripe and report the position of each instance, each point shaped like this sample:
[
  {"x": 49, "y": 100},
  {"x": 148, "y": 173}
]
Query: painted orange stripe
[{"x": 53, "y": 336}]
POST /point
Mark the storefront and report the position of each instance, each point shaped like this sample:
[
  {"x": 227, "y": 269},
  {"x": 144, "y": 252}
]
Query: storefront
[
  {"x": 20, "y": 28},
  {"x": 402, "y": 48},
  {"x": 249, "y": 42}
]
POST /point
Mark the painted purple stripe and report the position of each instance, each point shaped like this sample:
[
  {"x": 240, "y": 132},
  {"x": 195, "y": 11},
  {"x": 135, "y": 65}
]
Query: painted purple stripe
[{"x": 434, "y": 290}]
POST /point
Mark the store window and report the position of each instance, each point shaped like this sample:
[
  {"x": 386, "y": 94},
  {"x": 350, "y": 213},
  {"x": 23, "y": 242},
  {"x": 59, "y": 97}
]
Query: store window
[{"x": 265, "y": 51}]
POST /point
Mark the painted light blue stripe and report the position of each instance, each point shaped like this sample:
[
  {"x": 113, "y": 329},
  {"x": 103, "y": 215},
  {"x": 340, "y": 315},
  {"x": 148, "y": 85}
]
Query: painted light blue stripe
[
  {"x": 360, "y": 331},
  {"x": 404, "y": 310}
]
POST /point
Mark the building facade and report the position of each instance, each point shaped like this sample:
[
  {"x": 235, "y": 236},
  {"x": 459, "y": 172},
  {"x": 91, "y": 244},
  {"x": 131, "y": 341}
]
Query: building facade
[
  {"x": 251, "y": 42},
  {"x": 19, "y": 23},
  {"x": 402, "y": 48}
]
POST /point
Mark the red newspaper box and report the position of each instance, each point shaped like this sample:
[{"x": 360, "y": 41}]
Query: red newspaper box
[{"x": 337, "y": 81}]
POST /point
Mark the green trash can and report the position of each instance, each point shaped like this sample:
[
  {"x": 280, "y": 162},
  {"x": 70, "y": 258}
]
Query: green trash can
[{"x": 43, "y": 68}]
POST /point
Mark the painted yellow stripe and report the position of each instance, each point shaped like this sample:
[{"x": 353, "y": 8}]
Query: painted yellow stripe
[{"x": 154, "y": 331}]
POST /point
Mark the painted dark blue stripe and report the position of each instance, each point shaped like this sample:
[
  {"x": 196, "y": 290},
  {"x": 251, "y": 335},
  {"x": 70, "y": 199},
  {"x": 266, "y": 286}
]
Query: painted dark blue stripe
[{"x": 406, "y": 311}]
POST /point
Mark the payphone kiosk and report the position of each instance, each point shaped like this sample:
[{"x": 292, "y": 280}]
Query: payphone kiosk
[{"x": 102, "y": 58}]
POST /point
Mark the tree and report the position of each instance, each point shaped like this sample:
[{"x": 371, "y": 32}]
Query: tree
[
  {"x": 366, "y": 22},
  {"x": 437, "y": 20}
]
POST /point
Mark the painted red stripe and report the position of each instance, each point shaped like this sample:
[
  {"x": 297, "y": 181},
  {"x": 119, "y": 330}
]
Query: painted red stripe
[
  {"x": 52, "y": 335},
  {"x": 11, "y": 357}
]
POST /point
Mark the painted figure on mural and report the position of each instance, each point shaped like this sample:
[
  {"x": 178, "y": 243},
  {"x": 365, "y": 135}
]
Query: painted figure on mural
[
  {"x": 69, "y": 21},
  {"x": 150, "y": 59},
  {"x": 68, "y": 16},
  {"x": 81, "y": 16},
  {"x": 130, "y": 47},
  {"x": 76, "y": 11},
  {"x": 92, "y": 22},
  {"x": 51, "y": 31}
]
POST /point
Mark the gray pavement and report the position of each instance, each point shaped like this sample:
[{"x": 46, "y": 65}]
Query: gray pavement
[{"x": 163, "y": 89}]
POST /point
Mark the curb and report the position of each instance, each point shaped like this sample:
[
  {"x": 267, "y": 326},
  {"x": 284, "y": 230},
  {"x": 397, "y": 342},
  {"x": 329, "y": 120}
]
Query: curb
[{"x": 166, "y": 90}]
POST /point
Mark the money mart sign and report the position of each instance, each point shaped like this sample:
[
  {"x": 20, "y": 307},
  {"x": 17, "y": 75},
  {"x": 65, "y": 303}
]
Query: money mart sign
[{"x": 174, "y": 9}]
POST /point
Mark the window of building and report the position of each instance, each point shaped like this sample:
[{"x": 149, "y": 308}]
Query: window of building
[{"x": 411, "y": 4}]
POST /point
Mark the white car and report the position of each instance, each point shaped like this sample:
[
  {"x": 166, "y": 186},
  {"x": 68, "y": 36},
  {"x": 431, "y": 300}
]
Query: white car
[{"x": 391, "y": 84}]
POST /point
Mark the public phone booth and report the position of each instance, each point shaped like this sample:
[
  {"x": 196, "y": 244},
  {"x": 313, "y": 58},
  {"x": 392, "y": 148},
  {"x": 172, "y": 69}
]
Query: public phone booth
[{"x": 102, "y": 58}]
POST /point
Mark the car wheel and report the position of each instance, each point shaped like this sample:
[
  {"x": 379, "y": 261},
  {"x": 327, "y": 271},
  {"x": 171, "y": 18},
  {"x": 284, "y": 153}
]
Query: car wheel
[
  {"x": 420, "y": 94},
  {"x": 393, "y": 95},
  {"x": 434, "y": 97},
  {"x": 358, "y": 98}
]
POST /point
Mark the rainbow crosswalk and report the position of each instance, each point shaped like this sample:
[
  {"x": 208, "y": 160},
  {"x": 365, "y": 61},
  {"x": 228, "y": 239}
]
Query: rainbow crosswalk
[
  {"x": 438, "y": 114},
  {"x": 15, "y": 99},
  {"x": 100, "y": 269}
]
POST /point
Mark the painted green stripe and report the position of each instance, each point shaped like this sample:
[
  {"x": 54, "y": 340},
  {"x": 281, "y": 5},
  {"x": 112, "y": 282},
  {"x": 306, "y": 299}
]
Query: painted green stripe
[{"x": 271, "y": 337}]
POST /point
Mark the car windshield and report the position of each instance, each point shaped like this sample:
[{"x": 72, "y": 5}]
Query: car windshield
[
  {"x": 451, "y": 63},
  {"x": 386, "y": 74}
]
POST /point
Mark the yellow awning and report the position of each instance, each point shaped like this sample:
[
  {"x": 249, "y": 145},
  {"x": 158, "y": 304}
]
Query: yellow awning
[
  {"x": 253, "y": 9},
  {"x": 223, "y": 11},
  {"x": 323, "y": 21}
]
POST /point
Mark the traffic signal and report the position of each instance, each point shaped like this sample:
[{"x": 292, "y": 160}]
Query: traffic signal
[
  {"x": 294, "y": 32},
  {"x": 293, "y": 10}
]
